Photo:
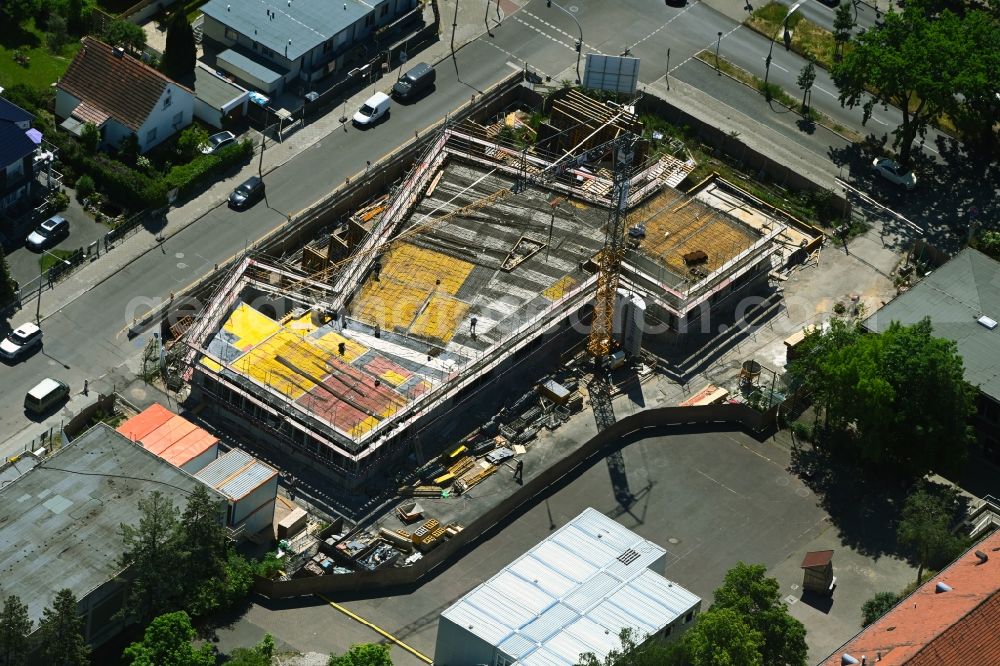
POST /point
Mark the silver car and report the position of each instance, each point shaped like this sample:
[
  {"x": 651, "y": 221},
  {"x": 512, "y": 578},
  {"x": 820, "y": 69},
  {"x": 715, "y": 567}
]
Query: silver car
[
  {"x": 48, "y": 232},
  {"x": 21, "y": 341},
  {"x": 894, "y": 173}
]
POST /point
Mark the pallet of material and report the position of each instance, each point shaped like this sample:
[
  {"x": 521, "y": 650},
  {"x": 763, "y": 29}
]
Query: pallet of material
[
  {"x": 419, "y": 491},
  {"x": 461, "y": 466},
  {"x": 474, "y": 477}
]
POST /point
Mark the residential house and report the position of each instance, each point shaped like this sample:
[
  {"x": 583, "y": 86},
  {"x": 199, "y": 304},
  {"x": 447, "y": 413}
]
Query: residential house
[
  {"x": 951, "y": 620},
  {"x": 18, "y": 145},
  {"x": 572, "y": 593},
  {"x": 121, "y": 95},
  {"x": 268, "y": 45},
  {"x": 962, "y": 299}
]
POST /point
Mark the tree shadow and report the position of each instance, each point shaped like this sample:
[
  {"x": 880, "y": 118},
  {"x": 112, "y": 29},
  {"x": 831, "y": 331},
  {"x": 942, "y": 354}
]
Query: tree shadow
[
  {"x": 16, "y": 37},
  {"x": 806, "y": 124},
  {"x": 863, "y": 509}
]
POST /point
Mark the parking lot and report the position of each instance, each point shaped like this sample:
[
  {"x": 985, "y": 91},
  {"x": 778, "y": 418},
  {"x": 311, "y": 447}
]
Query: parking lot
[{"x": 711, "y": 499}]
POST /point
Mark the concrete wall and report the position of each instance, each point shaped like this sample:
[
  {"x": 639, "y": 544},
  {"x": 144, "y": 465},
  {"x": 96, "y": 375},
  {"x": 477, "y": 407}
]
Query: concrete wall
[{"x": 652, "y": 420}]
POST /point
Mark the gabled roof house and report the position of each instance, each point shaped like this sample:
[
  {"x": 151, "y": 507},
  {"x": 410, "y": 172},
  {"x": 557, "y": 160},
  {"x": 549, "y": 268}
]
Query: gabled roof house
[{"x": 121, "y": 95}]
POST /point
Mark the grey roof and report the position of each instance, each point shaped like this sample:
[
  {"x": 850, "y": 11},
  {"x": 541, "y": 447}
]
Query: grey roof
[
  {"x": 307, "y": 23},
  {"x": 236, "y": 474},
  {"x": 572, "y": 593},
  {"x": 215, "y": 90},
  {"x": 955, "y": 296},
  {"x": 266, "y": 72},
  {"x": 13, "y": 113},
  {"x": 61, "y": 520}
]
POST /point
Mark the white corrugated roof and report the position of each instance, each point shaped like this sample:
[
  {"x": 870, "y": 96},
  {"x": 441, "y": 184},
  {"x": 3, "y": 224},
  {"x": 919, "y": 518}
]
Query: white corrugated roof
[{"x": 572, "y": 593}]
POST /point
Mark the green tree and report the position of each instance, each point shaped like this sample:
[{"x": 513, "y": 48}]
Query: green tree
[
  {"x": 911, "y": 62},
  {"x": 15, "y": 625},
  {"x": 17, "y": 11},
  {"x": 181, "y": 51},
  {"x": 877, "y": 606},
  {"x": 258, "y": 655},
  {"x": 151, "y": 549},
  {"x": 58, "y": 33},
  {"x": 78, "y": 16},
  {"x": 976, "y": 106},
  {"x": 363, "y": 654},
  {"x": 61, "y": 632},
  {"x": 755, "y": 597},
  {"x": 204, "y": 550},
  {"x": 167, "y": 642},
  {"x": 7, "y": 292},
  {"x": 805, "y": 81},
  {"x": 930, "y": 515},
  {"x": 90, "y": 137},
  {"x": 128, "y": 148},
  {"x": 125, "y": 34},
  {"x": 190, "y": 140},
  {"x": 900, "y": 395},
  {"x": 722, "y": 637},
  {"x": 989, "y": 243},
  {"x": 843, "y": 24}
]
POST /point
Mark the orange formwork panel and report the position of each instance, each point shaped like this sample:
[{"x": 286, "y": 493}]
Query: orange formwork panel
[
  {"x": 189, "y": 447},
  {"x": 167, "y": 434},
  {"x": 145, "y": 422}
]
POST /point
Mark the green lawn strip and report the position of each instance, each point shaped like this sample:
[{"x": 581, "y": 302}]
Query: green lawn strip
[
  {"x": 43, "y": 66},
  {"x": 777, "y": 94},
  {"x": 812, "y": 41},
  {"x": 47, "y": 261}
]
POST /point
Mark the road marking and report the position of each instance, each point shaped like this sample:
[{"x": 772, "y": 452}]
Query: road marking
[
  {"x": 719, "y": 483},
  {"x": 543, "y": 33},
  {"x": 879, "y": 120},
  {"x": 822, "y": 89},
  {"x": 385, "y": 634},
  {"x": 692, "y": 57},
  {"x": 671, "y": 20},
  {"x": 547, "y": 24}
]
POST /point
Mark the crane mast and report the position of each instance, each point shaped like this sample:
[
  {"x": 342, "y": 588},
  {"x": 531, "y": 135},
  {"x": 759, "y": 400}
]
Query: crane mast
[{"x": 609, "y": 260}]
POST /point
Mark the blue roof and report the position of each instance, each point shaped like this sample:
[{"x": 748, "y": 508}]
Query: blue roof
[
  {"x": 299, "y": 26},
  {"x": 14, "y": 143},
  {"x": 258, "y": 70},
  {"x": 13, "y": 113}
]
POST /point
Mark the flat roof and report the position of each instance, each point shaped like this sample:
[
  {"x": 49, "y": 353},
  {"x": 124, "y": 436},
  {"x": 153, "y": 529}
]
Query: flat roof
[
  {"x": 266, "y": 72},
  {"x": 298, "y": 26},
  {"x": 573, "y": 593},
  {"x": 236, "y": 474},
  {"x": 955, "y": 296},
  {"x": 215, "y": 91},
  {"x": 62, "y": 519}
]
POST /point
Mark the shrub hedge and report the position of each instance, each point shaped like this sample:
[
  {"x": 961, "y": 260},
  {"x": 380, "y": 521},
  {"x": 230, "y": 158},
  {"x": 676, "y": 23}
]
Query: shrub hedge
[{"x": 186, "y": 177}]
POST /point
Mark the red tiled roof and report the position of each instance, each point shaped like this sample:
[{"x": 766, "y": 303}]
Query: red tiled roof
[
  {"x": 950, "y": 628},
  {"x": 123, "y": 87},
  {"x": 816, "y": 558},
  {"x": 89, "y": 113}
]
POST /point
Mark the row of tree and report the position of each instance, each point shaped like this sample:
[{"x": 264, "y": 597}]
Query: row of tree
[
  {"x": 748, "y": 624},
  {"x": 933, "y": 58},
  {"x": 60, "y": 633}
]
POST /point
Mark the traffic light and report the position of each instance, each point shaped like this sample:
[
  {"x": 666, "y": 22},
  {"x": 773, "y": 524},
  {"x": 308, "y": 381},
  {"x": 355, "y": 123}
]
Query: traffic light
[{"x": 578, "y": 46}]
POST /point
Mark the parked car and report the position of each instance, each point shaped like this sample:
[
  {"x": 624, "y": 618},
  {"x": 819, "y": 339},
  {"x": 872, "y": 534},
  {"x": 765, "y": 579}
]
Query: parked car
[
  {"x": 247, "y": 194},
  {"x": 45, "y": 395},
  {"x": 216, "y": 142},
  {"x": 48, "y": 232},
  {"x": 21, "y": 341},
  {"x": 894, "y": 173},
  {"x": 374, "y": 109},
  {"x": 414, "y": 83}
]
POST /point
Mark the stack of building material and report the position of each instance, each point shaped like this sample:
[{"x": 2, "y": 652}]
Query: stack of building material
[
  {"x": 474, "y": 476},
  {"x": 580, "y": 118}
]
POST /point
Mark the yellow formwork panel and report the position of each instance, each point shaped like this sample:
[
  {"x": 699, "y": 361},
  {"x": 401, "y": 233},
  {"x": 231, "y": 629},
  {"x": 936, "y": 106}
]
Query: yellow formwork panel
[
  {"x": 388, "y": 303},
  {"x": 417, "y": 267},
  {"x": 364, "y": 426},
  {"x": 329, "y": 342},
  {"x": 263, "y": 365},
  {"x": 440, "y": 319},
  {"x": 249, "y": 326},
  {"x": 559, "y": 288},
  {"x": 303, "y": 325},
  {"x": 393, "y": 378},
  {"x": 210, "y": 364}
]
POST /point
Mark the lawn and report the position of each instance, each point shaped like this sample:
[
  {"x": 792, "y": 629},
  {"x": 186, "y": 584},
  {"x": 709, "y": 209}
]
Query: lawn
[
  {"x": 44, "y": 67},
  {"x": 808, "y": 39},
  {"x": 47, "y": 261}
]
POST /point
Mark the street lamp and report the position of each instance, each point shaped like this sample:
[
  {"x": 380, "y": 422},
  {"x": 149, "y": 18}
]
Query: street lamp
[
  {"x": 579, "y": 42},
  {"x": 770, "y": 51},
  {"x": 41, "y": 276},
  {"x": 718, "y": 45}
]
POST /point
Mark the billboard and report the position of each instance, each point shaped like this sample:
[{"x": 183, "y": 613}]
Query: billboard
[{"x": 613, "y": 73}]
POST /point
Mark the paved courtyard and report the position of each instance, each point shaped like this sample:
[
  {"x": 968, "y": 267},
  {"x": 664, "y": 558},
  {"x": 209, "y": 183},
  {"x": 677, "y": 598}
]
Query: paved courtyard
[{"x": 711, "y": 499}]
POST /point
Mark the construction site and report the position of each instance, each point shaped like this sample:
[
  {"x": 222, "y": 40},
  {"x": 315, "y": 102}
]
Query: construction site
[{"x": 565, "y": 250}]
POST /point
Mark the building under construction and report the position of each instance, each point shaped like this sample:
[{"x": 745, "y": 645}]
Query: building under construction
[{"x": 484, "y": 250}]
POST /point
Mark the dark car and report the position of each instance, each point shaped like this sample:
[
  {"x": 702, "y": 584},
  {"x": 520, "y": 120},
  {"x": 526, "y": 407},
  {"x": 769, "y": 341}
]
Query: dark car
[
  {"x": 48, "y": 232},
  {"x": 247, "y": 194},
  {"x": 418, "y": 80}
]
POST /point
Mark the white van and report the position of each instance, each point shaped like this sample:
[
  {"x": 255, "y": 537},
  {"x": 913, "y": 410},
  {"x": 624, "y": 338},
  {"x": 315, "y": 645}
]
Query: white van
[
  {"x": 373, "y": 110},
  {"x": 47, "y": 393}
]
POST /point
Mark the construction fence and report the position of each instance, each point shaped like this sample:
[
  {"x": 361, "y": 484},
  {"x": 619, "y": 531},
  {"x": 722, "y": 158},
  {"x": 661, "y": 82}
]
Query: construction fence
[{"x": 607, "y": 441}]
